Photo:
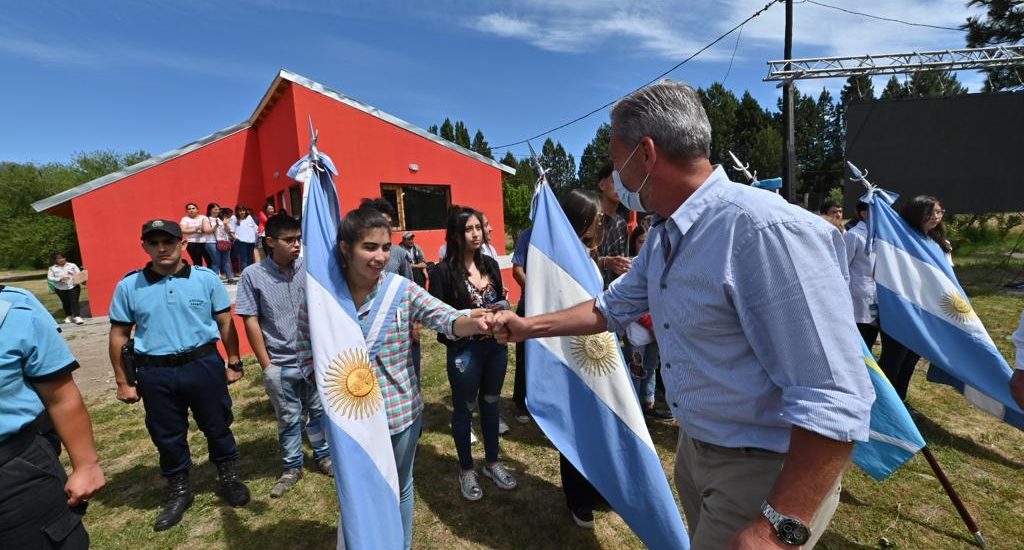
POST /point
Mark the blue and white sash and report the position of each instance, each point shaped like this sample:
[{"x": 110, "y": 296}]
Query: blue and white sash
[{"x": 381, "y": 310}]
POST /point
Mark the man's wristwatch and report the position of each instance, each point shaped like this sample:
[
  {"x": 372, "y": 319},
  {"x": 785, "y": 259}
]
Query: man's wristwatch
[
  {"x": 790, "y": 530},
  {"x": 237, "y": 367}
]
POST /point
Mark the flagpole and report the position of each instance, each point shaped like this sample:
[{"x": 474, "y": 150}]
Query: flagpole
[{"x": 953, "y": 496}]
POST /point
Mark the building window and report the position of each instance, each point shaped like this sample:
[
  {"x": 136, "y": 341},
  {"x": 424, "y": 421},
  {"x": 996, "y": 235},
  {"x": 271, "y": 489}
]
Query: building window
[
  {"x": 419, "y": 206},
  {"x": 295, "y": 199}
]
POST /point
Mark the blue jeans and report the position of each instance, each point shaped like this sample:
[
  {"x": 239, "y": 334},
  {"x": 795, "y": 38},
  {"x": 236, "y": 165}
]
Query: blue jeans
[
  {"x": 476, "y": 372},
  {"x": 292, "y": 395},
  {"x": 650, "y": 357},
  {"x": 404, "y": 446},
  {"x": 167, "y": 395},
  {"x": 214, "y": 255},
  {"x": 222, "y": 262},
  {"x": 244, "y": 251}
]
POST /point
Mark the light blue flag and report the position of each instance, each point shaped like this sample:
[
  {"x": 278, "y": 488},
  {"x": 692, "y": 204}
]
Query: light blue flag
[
  {"x": 354, "y": 417},
  {"x": 580, "y": 393},
  {"x": 921, "y": 305},
  {"x": 894, "y": 438}
]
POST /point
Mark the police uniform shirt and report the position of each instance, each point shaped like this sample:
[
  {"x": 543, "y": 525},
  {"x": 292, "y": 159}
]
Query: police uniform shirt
[
  {"x": 173, "y": 313},
  {"x": 31, "y": 351}
]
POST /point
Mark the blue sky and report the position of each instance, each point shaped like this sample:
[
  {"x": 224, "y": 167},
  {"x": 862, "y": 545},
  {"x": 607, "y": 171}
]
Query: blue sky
[{"x": 155, "y": 75}]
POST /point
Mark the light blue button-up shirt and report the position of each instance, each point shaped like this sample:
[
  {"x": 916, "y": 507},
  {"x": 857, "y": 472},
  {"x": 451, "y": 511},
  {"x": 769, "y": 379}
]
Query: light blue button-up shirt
[{"x": 753, "y": 317}]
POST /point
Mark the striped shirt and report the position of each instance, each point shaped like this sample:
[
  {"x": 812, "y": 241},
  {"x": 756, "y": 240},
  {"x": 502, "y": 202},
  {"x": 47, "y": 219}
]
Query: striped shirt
[
  {"x": 753, "y": 318},
  {"x": 403, "y": 401}
]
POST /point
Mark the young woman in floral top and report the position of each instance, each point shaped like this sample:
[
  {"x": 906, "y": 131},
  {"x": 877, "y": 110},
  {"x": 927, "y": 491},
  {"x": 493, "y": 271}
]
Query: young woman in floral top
[
  {"x": 467, "y": 278},
  {"x": 364, "y": 241}
]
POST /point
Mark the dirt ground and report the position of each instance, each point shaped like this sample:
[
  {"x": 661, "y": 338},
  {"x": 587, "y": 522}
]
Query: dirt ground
[{"x": 88, "y": 342}]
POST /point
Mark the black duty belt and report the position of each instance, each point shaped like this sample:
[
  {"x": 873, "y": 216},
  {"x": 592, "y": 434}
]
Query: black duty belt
[
  {"x": 17, "y": 443},
  {"x": 176, "y": 359}
]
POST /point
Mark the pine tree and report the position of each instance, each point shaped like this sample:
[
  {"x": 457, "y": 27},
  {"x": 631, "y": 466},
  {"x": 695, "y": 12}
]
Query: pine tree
[
  {"x": 560, "y": 166},
  {"x": 433, "y": 129},
  {"x": 721, "y": 106},
  {"x": 595, "y": 156},
  {"x": 1002, "y": 24},
  {"x": 447, "y": 130},
  {"x": 934, "y": 84},
  {"x": 481, "y": 146},
  {"x": 894, "y": 89},
  {"x": 462, "y": 135},
  {"x": 509, "y": 160}
]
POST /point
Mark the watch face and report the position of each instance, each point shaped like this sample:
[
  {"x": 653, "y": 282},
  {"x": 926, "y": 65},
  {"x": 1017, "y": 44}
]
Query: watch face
[{"x": 792, "y": 532}]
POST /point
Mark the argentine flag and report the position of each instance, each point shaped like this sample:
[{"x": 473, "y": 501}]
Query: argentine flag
[
  {"x": 894, "y": 438},
  {"x": 579, "y": 391},
  {"x": 921, "y": 304},
  {"x": 364, "y": 464}
]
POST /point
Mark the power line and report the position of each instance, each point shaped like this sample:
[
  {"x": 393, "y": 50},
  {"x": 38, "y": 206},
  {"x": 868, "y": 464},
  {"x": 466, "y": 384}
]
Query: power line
[
  {"x": 733, "y": 58},
  {"x": 651, "y": 81},
  {"x": 880, "y": 18}
]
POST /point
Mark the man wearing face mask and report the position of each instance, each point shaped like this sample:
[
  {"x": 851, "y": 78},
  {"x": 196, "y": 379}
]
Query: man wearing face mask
[{"x": 760, "y": 354}]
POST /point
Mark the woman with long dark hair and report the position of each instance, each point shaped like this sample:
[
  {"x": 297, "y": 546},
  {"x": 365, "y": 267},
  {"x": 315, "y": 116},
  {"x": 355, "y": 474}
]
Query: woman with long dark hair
[
  {"x": 469, "y": 279},
  {"x": 196, "y": 227},
  {"x": 246, "y": 230},
  {"x": 924, "y": 214},
  {"x": 364, "y": 247},
  {"x": 210, "y": 242}
]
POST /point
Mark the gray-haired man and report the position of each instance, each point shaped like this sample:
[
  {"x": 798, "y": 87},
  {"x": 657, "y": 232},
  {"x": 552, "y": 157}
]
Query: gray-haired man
[{"x": 761, "y": 357}]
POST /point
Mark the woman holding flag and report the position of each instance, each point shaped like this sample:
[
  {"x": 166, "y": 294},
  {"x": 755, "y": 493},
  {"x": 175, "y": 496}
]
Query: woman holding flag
[
  {"x": 364, "y": 244},
  {"x": 924, "y": 214}
]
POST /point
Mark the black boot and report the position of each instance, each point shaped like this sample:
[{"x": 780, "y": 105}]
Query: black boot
[
  {"x": 178, "y": 500},
  {"x": 232, "y": 488}
]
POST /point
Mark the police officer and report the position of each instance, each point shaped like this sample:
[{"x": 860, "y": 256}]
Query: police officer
[
  {"x": 177, "y": 311},
  {"x": 40, "y": 506}
]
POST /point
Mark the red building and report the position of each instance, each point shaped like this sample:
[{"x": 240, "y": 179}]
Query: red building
[{"x": 376, "y": 155}]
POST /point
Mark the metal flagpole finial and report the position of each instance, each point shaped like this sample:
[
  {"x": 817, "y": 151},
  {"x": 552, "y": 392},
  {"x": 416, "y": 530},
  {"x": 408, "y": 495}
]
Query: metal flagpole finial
[
  {"x": 745, "y": 169},
  {"x": 540, "y": 167},
  {"x": 856, "y": 175}
]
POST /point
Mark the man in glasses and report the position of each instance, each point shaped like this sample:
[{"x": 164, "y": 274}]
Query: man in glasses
[{"x": 269, "y": 297}]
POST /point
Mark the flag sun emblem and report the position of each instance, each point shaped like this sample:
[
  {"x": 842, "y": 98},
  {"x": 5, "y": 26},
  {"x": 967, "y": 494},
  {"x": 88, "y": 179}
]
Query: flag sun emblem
[
  {"x": 596, "y": 353},
  {"x": 957, "y": 307},
  {"x": 351, "y": 385}
]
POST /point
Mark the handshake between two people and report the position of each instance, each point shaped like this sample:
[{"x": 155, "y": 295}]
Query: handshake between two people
[{"x": 504, "y": 325}]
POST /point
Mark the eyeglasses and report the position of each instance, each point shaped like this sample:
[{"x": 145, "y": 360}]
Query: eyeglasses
[
  {"x": 938, "y": 212},
  {"x": 289, "y": 240}
]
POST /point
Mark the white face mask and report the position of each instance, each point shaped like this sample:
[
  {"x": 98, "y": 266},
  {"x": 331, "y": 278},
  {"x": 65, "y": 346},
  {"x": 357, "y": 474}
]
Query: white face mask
[{"x": 630, "y": 199}]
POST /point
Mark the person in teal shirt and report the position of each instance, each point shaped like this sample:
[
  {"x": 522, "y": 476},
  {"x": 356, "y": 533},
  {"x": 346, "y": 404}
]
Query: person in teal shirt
[
  {"x": 179, "y": 312},
  {"x": 40, "y": 505}
]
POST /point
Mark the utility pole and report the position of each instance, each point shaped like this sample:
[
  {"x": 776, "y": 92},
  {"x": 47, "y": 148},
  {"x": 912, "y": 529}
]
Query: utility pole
[{"x": 789, "y": 133}]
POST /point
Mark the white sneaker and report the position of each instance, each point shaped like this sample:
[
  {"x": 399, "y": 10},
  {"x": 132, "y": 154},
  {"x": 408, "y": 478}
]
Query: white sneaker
[
  {"x": 78, "y": 321},
  {"x": 502, "y": 426},
  {"x": 67, "y": 320},
  {"x": 472, "y": 437}
]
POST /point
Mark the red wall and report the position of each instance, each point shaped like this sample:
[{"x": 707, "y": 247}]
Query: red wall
[
  {"x": 240, "y": 168},
  {"x": 368, "y": 151},
  {"x": 108, "y": 220}
]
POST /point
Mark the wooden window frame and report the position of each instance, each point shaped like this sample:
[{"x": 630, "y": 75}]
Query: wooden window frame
[{"x": 398, "y": 188}]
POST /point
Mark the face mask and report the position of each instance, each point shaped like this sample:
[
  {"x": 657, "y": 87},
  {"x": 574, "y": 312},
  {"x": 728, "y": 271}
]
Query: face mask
[{"x": 630, "y": 199}]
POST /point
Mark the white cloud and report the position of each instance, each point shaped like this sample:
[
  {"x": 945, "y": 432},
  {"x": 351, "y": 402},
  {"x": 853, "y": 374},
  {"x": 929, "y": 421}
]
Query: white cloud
[{"x": 583, "y": 26}]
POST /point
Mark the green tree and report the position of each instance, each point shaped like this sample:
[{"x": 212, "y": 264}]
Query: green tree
[
  {"x": 1002, "y": 25},
  {"x": 517, "y": 193},
  {"x": 721, "y": 106},
  {"x": 595, "y": 156},
  {"x": 757, "y": 142},
  {"x": 433, "y": 129},
  {"x": 31, "y": 237},
  {"x": 560, "y": 166},
  {"x": 447, "y": 130},
  {"x": 894, "y": 89},
  {"x": 462, "y": 135},
  {"x": 934, "y": 84},
  {"x": 481, "y": 146}
]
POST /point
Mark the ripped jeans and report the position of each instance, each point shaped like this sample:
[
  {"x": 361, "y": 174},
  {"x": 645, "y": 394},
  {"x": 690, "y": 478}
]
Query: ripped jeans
[{"x": 476, "y": 372}]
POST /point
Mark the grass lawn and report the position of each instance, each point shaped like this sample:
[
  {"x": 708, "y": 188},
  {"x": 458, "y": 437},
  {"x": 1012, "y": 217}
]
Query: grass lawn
[{"x": 983, "y": 457}]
